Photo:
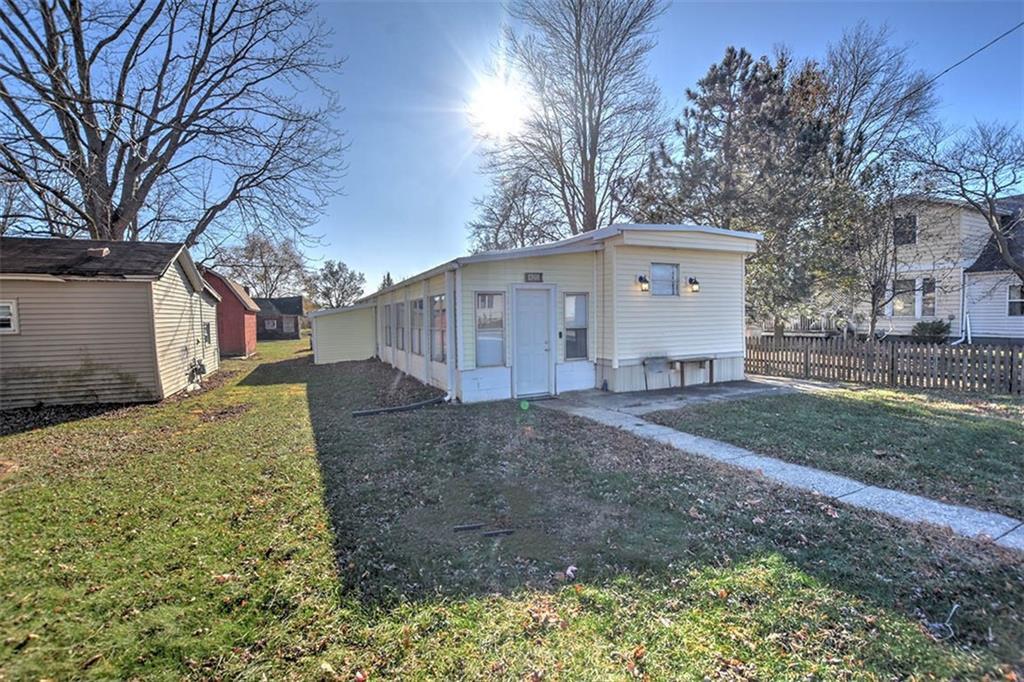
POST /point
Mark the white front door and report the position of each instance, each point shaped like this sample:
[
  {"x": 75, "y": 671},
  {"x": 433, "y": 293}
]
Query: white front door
[{"x": 533, "y": 341}]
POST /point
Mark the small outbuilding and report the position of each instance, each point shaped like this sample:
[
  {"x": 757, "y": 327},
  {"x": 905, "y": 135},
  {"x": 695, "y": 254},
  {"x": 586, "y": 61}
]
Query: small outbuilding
[
  {"x": 279, "y": 318},
  {"x": 623, "y": 308},
  {"x": 99, "y": 321},
  {"x": 236, "y": 316}
]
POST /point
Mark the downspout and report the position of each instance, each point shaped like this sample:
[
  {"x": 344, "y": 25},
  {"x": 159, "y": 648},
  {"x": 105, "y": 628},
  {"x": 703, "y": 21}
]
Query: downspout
[
  {"x": 965, "y": 320},
  {"x": 449, "y": 321}
]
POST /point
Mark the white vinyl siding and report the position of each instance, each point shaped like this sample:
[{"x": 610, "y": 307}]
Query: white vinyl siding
[
  {"x": 79, "y": 341},
  {"x": 178, "y": 316},
  {"x": 343, "y": 335},
  {"x": 988, "y": 303},
  {"x": 708, "y": 322}
]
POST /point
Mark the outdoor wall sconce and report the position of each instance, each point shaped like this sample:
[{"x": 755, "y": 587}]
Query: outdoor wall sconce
[
  {"x": 645, "y": 284},
  {"x": 694, "y": 284}
]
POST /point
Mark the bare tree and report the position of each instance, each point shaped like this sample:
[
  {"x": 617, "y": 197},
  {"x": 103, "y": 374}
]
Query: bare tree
[
  {"x": 877, "y": 100},
  {"x": 512, "y": 216},
  {"x": 335, "y": 285},
  {"x": 980, "y": 168},
  {"x": 267, "y": 265},
  {"x": 594, "y": 113},
  {"x": 168, "y": 117}
]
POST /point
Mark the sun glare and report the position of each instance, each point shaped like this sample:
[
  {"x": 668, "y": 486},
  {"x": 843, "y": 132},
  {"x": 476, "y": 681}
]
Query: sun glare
[{"x": 499, "y": 106}]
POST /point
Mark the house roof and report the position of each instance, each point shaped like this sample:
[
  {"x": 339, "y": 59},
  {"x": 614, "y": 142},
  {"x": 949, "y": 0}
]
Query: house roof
[
  {"x": 235, "y": 288},
  {"x": 286, "y": 305},
  {"x": 588, "y": 241},
  {"x": 990, "y": 260},
  {"x": 77, "y": 257}
]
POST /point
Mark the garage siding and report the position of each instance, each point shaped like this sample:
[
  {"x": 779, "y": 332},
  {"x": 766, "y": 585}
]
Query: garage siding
[
  {"x": 344, "y": 335},
  {"x": 78, "y": 341}
]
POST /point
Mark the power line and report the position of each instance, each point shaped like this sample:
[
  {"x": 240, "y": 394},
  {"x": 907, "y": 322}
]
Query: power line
[{"x": 984, "y": 47}]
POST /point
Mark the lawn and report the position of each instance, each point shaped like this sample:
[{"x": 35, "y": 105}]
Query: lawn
[
  {"x": 956, "y": 448},
  {"x": 258, "y": 530}
]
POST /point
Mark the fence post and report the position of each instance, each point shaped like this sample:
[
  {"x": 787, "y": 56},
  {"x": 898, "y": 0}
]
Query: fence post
[
  {"x": 892, "y": 363},
  {"x": 807, "y": 359}
]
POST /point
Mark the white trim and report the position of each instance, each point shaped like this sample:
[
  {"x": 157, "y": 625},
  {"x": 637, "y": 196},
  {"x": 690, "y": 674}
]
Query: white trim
[
  {"x": 16, "y": 325},
  {"x": 576, "y": 244},
  {"x": 1009, "y": 286},
  {"x": 343, "y": 309},
  {"x": 552, "y": 333}
]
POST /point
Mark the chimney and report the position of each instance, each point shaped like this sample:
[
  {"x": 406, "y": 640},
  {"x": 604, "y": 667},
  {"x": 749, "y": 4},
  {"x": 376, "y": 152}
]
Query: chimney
[{"x": 98, "y": 252}]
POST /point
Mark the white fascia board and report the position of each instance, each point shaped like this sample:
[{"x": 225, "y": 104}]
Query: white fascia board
[
  {"x": 704, "y": 229},
  {"x": 343, "y": 309}
]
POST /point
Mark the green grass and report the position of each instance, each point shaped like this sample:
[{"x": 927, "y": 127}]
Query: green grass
[
  {"x": 259, "y": 530},
  {"x": 956, "y": 448}
]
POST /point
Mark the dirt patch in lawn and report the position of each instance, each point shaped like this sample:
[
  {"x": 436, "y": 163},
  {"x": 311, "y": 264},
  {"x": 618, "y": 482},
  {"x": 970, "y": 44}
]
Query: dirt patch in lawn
[{"x": 223, "y": 413}]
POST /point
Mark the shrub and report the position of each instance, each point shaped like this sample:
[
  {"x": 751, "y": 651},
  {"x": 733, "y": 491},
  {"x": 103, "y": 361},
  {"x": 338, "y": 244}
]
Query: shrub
[{"x": 936, "y": 331}]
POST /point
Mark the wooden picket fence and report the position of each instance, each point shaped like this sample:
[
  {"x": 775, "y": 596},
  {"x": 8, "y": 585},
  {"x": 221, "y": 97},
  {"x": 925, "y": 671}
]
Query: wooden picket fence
[{"x": 981, "y": 368}]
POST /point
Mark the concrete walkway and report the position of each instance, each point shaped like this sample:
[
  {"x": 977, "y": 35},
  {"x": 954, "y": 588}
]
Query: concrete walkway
[{"x": 1004, "y": 530}]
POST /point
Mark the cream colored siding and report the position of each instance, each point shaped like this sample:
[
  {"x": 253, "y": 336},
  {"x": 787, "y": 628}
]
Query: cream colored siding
[
  {"x": 344, "y": 335},
  {"x": 938, "y": 243},
  {"x": 178, "y": 313},
  {"x": 706, "y": 323},
  {"x": 975, "y": 232},
  {"x": 78, "y": 341},
  {"x": 988, "y": 305},
  {"x": 569, "y": 273},
  {"x": 211, "y": 350}
]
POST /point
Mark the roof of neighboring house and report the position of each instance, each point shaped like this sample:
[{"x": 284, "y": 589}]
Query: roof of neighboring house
[
  {"x": 991, "y": 260},
  {"x": 286, "y": 305},
  {"x": 235, "y": 288},
  {"x": 39, "y": 258},
  {"x": 72, "y": 257}
]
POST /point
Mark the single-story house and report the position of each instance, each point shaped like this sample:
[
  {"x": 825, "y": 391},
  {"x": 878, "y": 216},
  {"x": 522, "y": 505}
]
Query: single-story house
[
  {"x": 626, "y": 307},
  {"x": 98, "y": 321},
  {"x": 236, "y": 316},
  {"x": 279, "y": 318}
]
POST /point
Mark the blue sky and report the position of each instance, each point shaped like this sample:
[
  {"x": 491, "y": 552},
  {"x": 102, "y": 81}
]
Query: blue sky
[{"x": 410, "y": 71}]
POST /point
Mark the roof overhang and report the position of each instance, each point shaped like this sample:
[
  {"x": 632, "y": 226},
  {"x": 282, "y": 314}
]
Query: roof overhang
[
  {"x": 581, "y": 243},
  {"x": 343, "y": 309}
]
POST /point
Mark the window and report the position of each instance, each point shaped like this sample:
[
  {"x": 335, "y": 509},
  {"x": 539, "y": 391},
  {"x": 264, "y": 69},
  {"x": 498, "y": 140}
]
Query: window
[
  {"x": 575, "y": 326},
  {"x": 400, "y": 326},
  {"x": 904, "y": 230},
  {"x": 288, "y": 324},
  {"x": 8, "y": 317},
  {"x": 927, "y": 297},
  {"x": 387, "y": 325},
  {"x": 438, "y": 328},
  {"x": 206, "y": 332},
  {"x": 270, "y": 324},
  {"x": 664, "y": 279},
  {"x": 416, "y": 327},
  {"x": 903, "y": 298},
  {"x": 1015, "y": 293},
  {"x": 490, "y": 330}
]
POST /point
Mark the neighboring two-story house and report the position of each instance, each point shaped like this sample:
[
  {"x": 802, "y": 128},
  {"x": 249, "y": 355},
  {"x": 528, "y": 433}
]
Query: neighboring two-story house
[{"x": 949, "y": 268}]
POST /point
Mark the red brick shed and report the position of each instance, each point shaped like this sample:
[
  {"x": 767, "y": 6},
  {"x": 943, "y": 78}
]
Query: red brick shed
[{"x": 236, "y": 316}]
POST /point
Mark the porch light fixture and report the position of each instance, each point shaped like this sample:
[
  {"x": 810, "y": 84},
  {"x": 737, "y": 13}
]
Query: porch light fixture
[
  {"x": 645, "y": 284},
  {"x": 694, "y": 284}
]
